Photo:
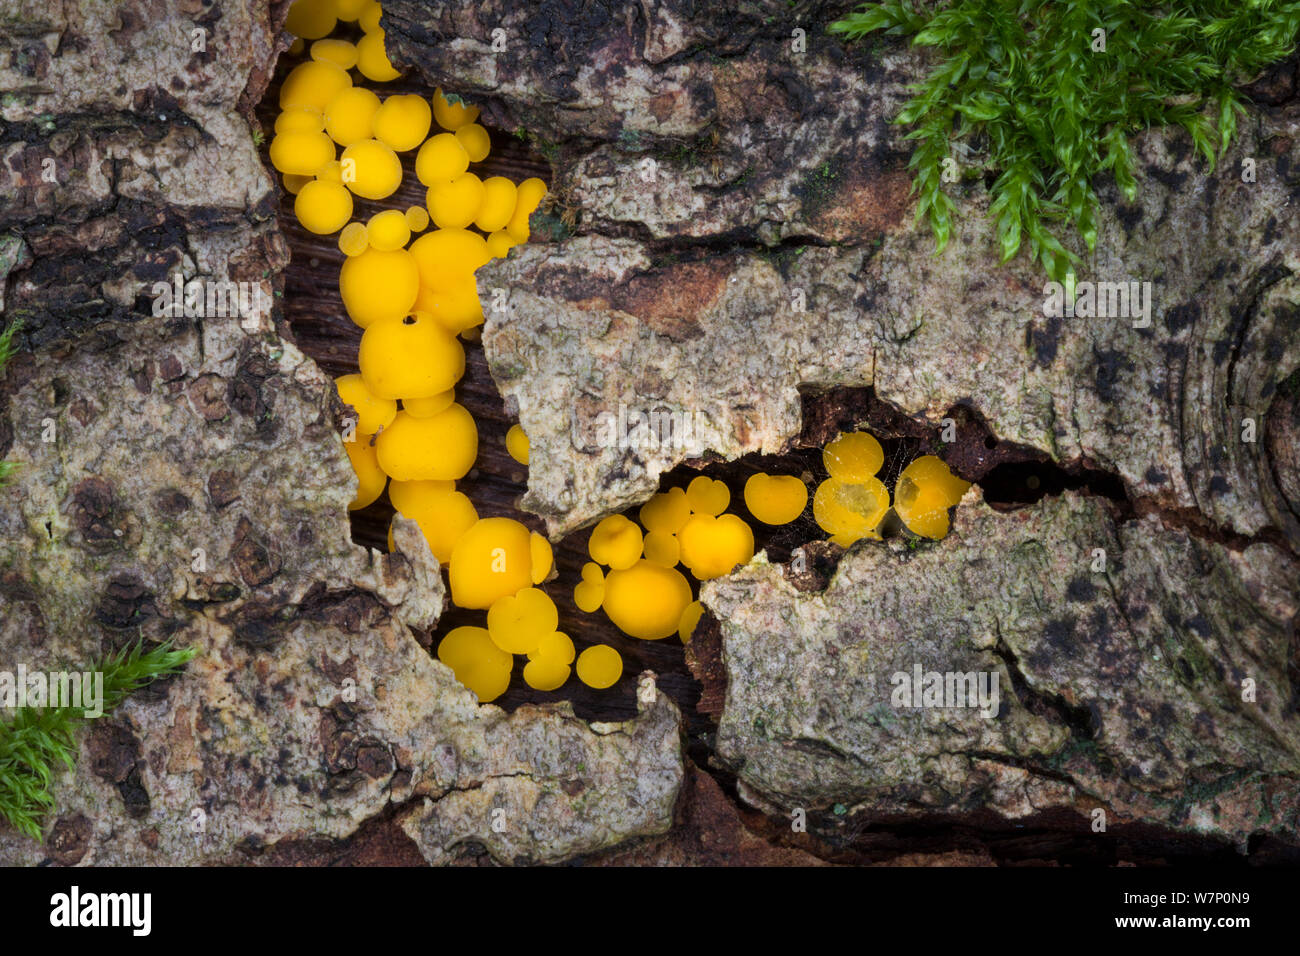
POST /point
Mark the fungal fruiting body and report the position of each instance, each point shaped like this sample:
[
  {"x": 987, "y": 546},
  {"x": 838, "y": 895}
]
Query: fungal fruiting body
[
  {"x": 926, "y": 489},
  {"x": 852, "y": 502}
]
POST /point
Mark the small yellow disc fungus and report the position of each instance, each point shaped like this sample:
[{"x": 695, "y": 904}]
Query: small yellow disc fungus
[
  {"x": 415, "y": 498},
  {"x": 476, "y": 141},
  {"x": 712, "y": 547},
  {"x": 372, "y": 59},
  {"x": 310, "y": 19},
  {"x": 855, "y": 456},
  {"x": 372, "y": 413},
  {"x": 299, "y": 119},
  {"x": 371, "y": 11},
  {"x": 543, "y": 557},
  {"x": 388, "y": 230},
  {"x": 498, "y": 204},
  {"x": 331, "y": 172},
  {"x": 517, "y": 622},
  {"x": 646, "y": 600},
  {"x": 349, "y": 10},
  {"x": 452, "y": 116},
  {"x": 528, "y": 197},
  {"x": 454, "y": 203},
  {"x": 293, "y": 183},
  {"x": 442, "y": 522},
  {"x": 556, "y": 646},
  {"x": 409, "y": 358},
  {"x": 442, "y": 157},
  {"x": 690, "y": 618},
  {"x": 615, "y": 542},
  {"x": 447, "y": 256},
  {"x": 589, "y": 593},
  {"x": 599, "y": 666},
  {"x": 323, "y": 207},
  {"x": 370, "y": 477},
  {"x": 313, "y": 84},
  {"x": 517, "y": 444},
  {"x": 403, "y": 121},
  {"x": 350, "y": 116},
  {"x": 301, "y": 153},
  {"x": 442, "y": 446},
  {"x": 707, "y": 496},
  {"x": 371, "y": 169},
  {"x": 546, "y": 673},
  {"x": 491, "y": 560},
  {"x": 926, "y": 490},
  {"x": 477, "y": 663},
  {"x": 427, "y": 407},
  {"x": 775, "y": 499},
  {"x": 499, "y": 243},
  {"x": 663, "y": 548},
  {"x": 455, "y": 309},
  {"x": 339, "y": 52},
  {"x": 417, "y": 218},
  {"x": 667, "y": 512},
  {"x": 849, "y": 510},
  {"x": 353, "y": 240},
  {"x": 378, "y": 286}
]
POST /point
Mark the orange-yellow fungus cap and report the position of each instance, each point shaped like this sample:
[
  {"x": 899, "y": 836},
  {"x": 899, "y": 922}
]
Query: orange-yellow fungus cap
[
  {"x": 301, "y": 153},
  {"x": 615, "y": 542},
  {"x": 492, "y": 559},
  {"x": 409, "y": 358},
  {"x": 499, "y": 243},
  {"x": 371, "y": 412},
  {"x": 350, "y": 116},
  {"x": 926, "y": 490},
  {"x": 667, "y": 511},
  {"x": 387, "y": 230},
  {"x": 368, "y": 19},
  {"x": 775, "y": 499},
  {"x": 425, "y": 407},
  {"x": 381, "y": 286},
  {"x": 855, "y": 456},
  {"x": 498, "y": 204},
  {"x": 477, "y": 663},
  {"x": 456, "y": 309},
  {"x": 442, "y": 513},
  {"x": 712, "y": 547},
  {"x": 370, "y": 477},
  {"x": 447, "y": 256},
  {"x": 599, "y": 666},
  {"x": 517, "y": 444},
  {"x": 662, "y": 548},
  {"x": 556, "y": 646},
  {"x": 546, "y": 673},
  {"x": 441, "y": 158},
  {"x": 442, "y": 446},
  {"x": 415, "y": 498},
  {"x": 323, "y": 207},
  {"x": 299, "y": 119},
  {"x": 311, "y": 19},
  {"x": 452, "y": 116},
  {"x": 476, "y": 141},
  {"x": 543, "y": 557},
  {"x": 707, "y": 496},
  {"x": 589, "y": 593},
  {"x": 690, "y": 618},
  {"x": 353, "y": 240},
  {"x": 528, "y": 197},
  {"x": 850, "y": 509},
  {"x": 372, "y": 59},
  {"x": 646, "y": 600},
  {"x": 417, "y": 218},
  {"x": 339, "y": 52},
  {"x": 293, "y": 182},
  {"x": 455, "y": 203},
  {"x": 350, "y": 10},
  {"x": 313, "y": 84},
  {"x": 403, "y": 121},
  {"x": 371, "y": 169},
  {"x": 517, "y": 622}
]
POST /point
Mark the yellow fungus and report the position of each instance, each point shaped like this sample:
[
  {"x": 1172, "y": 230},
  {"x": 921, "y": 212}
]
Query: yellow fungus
[
  {"x": 371, "y": 169},
  {"x": 646, "y": 600},
  {"x": 556, "y": 646},
  {"x": 378, "y": 286},
  {"x": 331, "y": 172},
  {"x": 313, "y": 84},
  {"x": 455, "y": 309},
  {"x": 301, "y": 153},
  {"x": 529, "y": 196},
  {"x": 350, "y": 10},
  {"x": 667, "y": 512},
  {"x": 477, "y": 663},
  {"x": 368, "y": 19},
  {"x": 415, "y": 498},
  {"x": 293, "y": 182},
  {"x": 926, "y": 490},
  {"x": 443, "y": 519},
  {"x": 662, "y": 548},
  {"x": 517, "y": 622},
  {"x": 849, "y": 510},
  {"x": 447, "y": 256},
  {"x": 441, "y": 446},
  {"x": 855, "y": 456},
  {"x": 775, "y": 499},
  {"x": 499, "y": 243},
  {"x": 498, "y": 204},
  {"x": 517, "y": 444},
  {"x": 409, "y": 358},
  {"x": 353, "y": 240},
  {"x": 599, "y": 666},
  {"x": 615, "y": 542},
  {"x": 350, "y": 116},
  {"x": 388, "y": 230},
  {"x": 311, "y": 19},
  {"x": 452, "y": 116},
  {"x": 323, "y": 207},
  {"x": 546, "y": 673},
  {"x": 339, "y": 52},
  {"x": 712, "y": 547},
  {"x": 492, "y": 559},
  {"x": 373, "y": 414},
  {"x": 690, "y": 618},
  {"x": 403, "y": 121},
  {"x": 707, "y": 496},
  {"x": 427, "y": 407},
  {"x": 441, "y": 158},
  {"x": 370, "y": 477},
  {"x": 417, "y": 218},
  {"x": 589, "y": 593},
  {"x": 542, "y": 555},
  {"x": 454, "y": 203},
  {"x": 372, "y": 59},
  {"x": 476, "y": 141},
  {"x": 299, "y": 119}
]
